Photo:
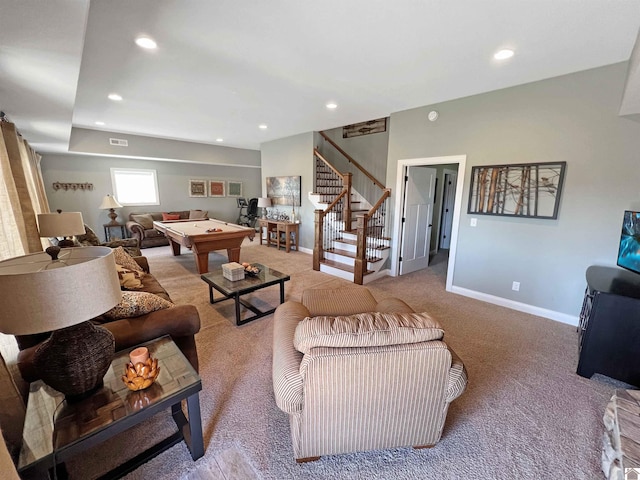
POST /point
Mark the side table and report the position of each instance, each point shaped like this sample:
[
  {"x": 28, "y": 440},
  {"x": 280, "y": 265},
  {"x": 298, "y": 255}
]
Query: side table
[
  {"x": 109, "y": 226},
  {"x": 110, "y": 411}
]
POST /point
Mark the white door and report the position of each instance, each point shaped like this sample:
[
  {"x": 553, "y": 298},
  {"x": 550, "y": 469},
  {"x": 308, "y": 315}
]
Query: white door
[
  {"x": 450, "y": 180},
  {"x": 418, "y": 213}
]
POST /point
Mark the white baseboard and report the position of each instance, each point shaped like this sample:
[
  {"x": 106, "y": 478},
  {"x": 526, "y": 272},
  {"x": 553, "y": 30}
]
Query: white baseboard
[
  {"x": 374, "y": 276},
  {"x": 521, "y": 307},
  {"x": 306, "y": 250}
]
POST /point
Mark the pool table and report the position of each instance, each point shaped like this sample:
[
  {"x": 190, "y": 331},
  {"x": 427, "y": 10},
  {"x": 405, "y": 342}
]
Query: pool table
[{"x": 204, "y": 236}]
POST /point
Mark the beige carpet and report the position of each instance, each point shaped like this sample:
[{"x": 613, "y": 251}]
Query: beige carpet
[{"x": 525, "y": 413}]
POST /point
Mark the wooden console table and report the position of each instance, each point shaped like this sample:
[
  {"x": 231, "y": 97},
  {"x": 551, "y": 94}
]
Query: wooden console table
[{"x": 290, "y": 231}]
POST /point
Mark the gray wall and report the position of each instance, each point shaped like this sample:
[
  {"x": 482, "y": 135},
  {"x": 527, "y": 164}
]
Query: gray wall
[
  {"x": 88, "y": 141},
  {"x": 572, "y": 118},
  {"x": 173, "y": 180},
  {"x": 288, "y": 157}
]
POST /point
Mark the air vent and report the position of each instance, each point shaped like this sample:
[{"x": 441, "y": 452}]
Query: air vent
[{"x": 118, "y": 142}]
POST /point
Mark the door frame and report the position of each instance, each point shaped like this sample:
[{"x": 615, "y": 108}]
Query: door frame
[
  {"x": 445, "y": 172},
  {"x": 461, "y": 160}
]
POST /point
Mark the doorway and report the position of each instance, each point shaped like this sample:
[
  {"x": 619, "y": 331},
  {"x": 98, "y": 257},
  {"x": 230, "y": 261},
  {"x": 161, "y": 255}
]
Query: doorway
[{"x": 398, "y": 240}]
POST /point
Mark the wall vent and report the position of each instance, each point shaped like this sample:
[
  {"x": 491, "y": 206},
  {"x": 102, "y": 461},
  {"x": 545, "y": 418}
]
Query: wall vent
[{"x": 118, "y": 142}]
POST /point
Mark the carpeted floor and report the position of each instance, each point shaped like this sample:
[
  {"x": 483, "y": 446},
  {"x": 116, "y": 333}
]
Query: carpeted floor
[{"x": 525, "y": 413}]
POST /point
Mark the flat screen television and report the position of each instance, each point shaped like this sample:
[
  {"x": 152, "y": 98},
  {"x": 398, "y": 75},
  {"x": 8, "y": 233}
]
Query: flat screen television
[{"x": 629, "y": 249}]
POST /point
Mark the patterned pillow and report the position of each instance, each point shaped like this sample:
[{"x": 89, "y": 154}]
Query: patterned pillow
[
  {"x": 366, "y": 330},
  {"x": 170, "y": 216},
  {"x": 129, "y": 279},
  {"x": 198, "y": 214},
  {"x": 146, "y": 220},
  {"x": 89, "y": 238},
  {"x": 134, "y": 304},
  {"x": 124, "y": 259}
]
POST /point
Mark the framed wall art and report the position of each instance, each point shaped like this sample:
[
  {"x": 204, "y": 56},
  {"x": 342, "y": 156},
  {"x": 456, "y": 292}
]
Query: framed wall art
[
  {"x": 284, "y": 190},
  {"x": 521, "y": 190},
  {"x": 216, "y": 188},
  {"x": 234, "y": 188},
  {"x": 197, "y": 188}
]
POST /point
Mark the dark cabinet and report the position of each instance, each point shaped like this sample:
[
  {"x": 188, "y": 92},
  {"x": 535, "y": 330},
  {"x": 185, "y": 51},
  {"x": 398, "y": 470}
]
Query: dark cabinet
[{"x": 610, "y": 325}]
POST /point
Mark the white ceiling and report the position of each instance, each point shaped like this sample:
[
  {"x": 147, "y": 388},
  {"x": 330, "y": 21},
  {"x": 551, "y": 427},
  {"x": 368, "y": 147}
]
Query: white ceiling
[{"x": 223, "y": 67}]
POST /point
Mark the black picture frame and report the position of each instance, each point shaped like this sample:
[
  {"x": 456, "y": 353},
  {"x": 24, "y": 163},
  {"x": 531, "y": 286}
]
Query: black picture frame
[{"x": 523, "y": 190}]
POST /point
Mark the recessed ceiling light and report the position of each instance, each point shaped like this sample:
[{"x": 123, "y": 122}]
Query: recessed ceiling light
[
  {"x": 332, "y": 106},
  {"x": 99, "y": 123},
  {"x": 146, "y": 42},
  {"x": 115, "y": 97},
  {"x": 219, "y": 139},
  {"x": 503, "y": 54},
  {"x": 262, "y": 126}
]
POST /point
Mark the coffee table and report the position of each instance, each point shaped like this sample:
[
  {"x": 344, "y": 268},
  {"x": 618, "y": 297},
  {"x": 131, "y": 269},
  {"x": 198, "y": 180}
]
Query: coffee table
[
  {"x": 266, "y": 277},
  {"x": 109, "y": 411}
]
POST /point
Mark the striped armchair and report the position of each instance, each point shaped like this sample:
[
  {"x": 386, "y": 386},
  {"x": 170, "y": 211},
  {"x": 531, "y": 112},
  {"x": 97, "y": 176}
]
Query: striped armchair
[{"x": 353, "y": 381}]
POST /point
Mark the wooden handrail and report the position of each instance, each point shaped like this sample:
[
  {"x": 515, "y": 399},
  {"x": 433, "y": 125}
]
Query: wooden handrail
[
  {"x": 333, "y": 204},
  {"x": 351, "y": 160},
  {"x": 326, "y": 162},
  {"x": 385, "y": 194}
]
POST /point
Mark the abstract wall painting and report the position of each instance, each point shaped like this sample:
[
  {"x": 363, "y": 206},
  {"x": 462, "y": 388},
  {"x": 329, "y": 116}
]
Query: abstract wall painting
[
  {"x": 234, "y": 189},
  {"x": 284, "y": 190},
  {"x": 216, "y": 188},
  {"x": 530, "y": 190},
  {"x": 197, "y": 188}
]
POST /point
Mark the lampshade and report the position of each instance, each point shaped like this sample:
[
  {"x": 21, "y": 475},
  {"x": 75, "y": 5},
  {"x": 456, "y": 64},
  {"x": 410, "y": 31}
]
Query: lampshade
[
  {"x": 264, "y": 202},
  {"x": 40, "y": 294},
  {"x": 109, "y": 202},
  {"x": 61, "y": 224}
]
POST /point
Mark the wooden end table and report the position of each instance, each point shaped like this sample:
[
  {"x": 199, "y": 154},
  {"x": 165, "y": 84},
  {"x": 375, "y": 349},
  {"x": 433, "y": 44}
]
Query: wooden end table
[
  {"x": 235, "y": 289},
  {"x": 109, "y": 411}
]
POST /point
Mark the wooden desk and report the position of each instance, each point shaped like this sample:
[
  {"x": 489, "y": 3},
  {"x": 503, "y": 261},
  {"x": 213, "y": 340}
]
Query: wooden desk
[{"x": 277, "y": 227}]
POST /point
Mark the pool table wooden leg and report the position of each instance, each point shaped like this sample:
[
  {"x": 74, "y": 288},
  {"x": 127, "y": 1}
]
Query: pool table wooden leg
[
  {"x": 202, "y": 262},
  {"x": 233, "y": 254},
  {"x": 175, "y": 247}
]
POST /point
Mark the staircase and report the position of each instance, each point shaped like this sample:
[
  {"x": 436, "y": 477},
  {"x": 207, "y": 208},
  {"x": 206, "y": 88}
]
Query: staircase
[{"x": 350, "y": 240}]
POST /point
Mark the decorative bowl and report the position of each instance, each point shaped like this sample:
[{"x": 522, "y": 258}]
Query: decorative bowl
[
  {"x": 252, "y": 270},
  {"x": 141, "y": 375}
]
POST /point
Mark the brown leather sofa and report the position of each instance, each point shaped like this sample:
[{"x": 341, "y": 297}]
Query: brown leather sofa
[
  {"x": 181, "y": 322},
  {"x": 140, "y": 225}
]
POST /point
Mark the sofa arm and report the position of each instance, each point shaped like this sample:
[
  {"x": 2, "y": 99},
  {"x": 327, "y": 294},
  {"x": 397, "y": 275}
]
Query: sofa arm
[
  {"x": 182, "y": 322},
  {"x": 394, "y": 305},
  {"x": 287, "y": 381},
  {"x": 143, "y": 262},
  {"x": 137, "y": 230},
  {"x": 130, "y": 245},
  {"x": 457, "y": 377}
]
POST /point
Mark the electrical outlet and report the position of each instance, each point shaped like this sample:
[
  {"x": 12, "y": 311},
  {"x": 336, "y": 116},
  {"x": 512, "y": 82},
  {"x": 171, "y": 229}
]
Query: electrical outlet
[
  {"x": 474, "y": 222},
  {"x": 515, "y": 286}
]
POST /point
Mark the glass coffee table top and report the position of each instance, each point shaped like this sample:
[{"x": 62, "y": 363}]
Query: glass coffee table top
[{"x": 267, "y": 276}]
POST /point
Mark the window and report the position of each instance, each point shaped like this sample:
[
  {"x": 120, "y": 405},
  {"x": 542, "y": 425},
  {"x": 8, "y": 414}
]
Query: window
[{"x": 135, "y": 186}]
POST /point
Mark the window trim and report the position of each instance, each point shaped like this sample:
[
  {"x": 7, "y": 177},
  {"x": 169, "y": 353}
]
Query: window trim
[{"x": 115, "y": 171}]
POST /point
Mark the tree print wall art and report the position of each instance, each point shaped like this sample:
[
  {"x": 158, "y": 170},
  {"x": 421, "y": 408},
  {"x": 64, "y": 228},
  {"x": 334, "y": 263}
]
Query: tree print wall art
[{"x": 520, "y": 190}]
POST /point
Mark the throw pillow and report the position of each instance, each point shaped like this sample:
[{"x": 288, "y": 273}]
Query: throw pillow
[
  {"x": 146, "y": 220},
  {"x": 129, "y": 279},
  {"x": 134, "y": 304},
  {"x": 198, "y": 214},
  {"x": 170, "y": 216},
  {"x": 89, "y": 238},
  {"x": 124, "y": 259},
  {"x": 365, "y": 330}
]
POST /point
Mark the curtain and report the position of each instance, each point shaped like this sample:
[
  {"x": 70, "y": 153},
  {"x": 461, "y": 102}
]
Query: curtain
[{"x": 22, "y": 194}]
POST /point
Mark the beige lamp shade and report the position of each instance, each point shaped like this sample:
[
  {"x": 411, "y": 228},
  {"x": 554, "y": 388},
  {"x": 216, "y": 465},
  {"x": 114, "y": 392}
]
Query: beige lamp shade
[
  {"x": 41, "y": 295},
  {"x": 109, "y": 202},
  {"x": 264, "y": 202},
  {"x": 62, "y": 224}
]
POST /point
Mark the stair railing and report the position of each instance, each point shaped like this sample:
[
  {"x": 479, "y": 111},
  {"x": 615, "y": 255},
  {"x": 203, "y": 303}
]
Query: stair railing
[{"x": 338, "y": 216}]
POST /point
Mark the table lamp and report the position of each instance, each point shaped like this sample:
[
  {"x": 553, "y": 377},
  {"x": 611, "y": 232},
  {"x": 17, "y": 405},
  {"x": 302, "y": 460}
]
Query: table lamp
[
  {"x": 41, "y": 294},
  {"x": 61, "y": 224},
  {"x": 109, "y": 203},
  {"x": 264, "y": 203}
]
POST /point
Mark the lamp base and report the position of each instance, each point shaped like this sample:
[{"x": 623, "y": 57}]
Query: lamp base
[
  {"x": 74, "y": 359},
  {"x": 112, "y": 215}
]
